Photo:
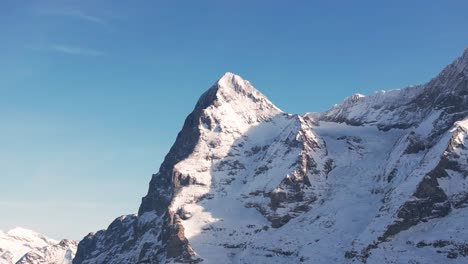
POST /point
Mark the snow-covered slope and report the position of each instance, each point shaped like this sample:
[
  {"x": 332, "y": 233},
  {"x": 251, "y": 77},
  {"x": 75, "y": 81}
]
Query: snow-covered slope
[
  {"x": 376, "y": 179},
  {"x": 24, "y": 246}
]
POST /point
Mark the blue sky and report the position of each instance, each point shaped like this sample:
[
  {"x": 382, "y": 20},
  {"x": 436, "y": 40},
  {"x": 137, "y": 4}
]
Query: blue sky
[{"x": 93, "y": 93}]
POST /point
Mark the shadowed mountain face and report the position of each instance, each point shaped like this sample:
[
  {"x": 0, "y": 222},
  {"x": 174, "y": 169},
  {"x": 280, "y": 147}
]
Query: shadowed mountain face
[{"x": 376, "y": 179}]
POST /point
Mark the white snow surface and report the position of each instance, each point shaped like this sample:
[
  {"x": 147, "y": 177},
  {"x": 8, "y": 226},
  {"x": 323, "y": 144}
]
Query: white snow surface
[{"x": 18, "y": 242}]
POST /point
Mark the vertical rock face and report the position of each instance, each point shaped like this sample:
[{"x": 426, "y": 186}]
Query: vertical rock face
[
  {"x": 376, "y": 179},
  {"x": 163, "y": 183}
]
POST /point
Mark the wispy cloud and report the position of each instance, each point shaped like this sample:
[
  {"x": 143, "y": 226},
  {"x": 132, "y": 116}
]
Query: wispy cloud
[
  {"x": 83, "y": 16},
  {"x": 76, "y": 14},
  {"x": 73, "y": 50}
]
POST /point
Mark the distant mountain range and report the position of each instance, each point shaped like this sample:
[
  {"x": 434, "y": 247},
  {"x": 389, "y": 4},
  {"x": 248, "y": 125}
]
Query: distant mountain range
[{"x": 23, "y": 246}]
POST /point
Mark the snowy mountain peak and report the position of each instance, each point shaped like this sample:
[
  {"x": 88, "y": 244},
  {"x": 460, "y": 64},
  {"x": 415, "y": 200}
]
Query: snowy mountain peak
[
  {"x": 232, "y": 81},
  {"x": 20, "y": 245},
  {"x": 230, "y": 107},
  {"x": 231, "y": 87},
  {"x": 462, "y": 62},
  {"x": 229, "y": 76},
  {"x": 458, "y": 66},
  {"x": 21, "y": 232},
  {"x": 464, "y": 57},
  {"x": 353, "y": 99},
  {"x": 29, "y": 236}
]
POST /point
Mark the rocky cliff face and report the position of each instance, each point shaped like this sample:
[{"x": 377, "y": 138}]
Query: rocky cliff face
[
  {"x": 22, "y": 246},
  {"x": 376, "y": 179}
]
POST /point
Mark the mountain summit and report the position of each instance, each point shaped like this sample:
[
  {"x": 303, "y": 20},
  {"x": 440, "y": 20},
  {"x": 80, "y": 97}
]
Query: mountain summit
[
  {"x": 377, "y": 179},
  {"x": 24, "y": 246}
]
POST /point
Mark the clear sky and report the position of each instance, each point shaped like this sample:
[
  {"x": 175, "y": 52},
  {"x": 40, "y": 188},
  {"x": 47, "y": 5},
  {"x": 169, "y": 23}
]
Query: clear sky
[{"x": 93, "y": 92}]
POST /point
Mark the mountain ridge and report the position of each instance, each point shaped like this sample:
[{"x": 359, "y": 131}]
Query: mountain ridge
[
  {"x": 23, "y": 246},
  {"x": 245, "y": 182}
]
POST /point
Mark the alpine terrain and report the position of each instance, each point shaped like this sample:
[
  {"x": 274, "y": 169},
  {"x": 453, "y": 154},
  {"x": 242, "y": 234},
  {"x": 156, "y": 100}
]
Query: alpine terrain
[
  {"x": 23, "y": 246},
  {"x": 375, "y": 179}
]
